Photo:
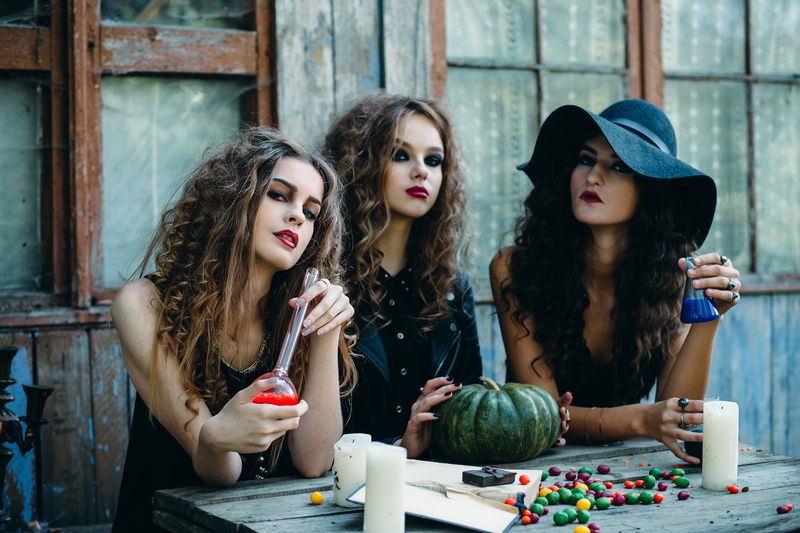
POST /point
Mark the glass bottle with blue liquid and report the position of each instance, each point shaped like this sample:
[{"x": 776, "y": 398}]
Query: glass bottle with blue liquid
[{"x": 697, "y": 307}]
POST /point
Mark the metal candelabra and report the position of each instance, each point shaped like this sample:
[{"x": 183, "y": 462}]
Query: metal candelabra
[{"x": 11, "y": 425}]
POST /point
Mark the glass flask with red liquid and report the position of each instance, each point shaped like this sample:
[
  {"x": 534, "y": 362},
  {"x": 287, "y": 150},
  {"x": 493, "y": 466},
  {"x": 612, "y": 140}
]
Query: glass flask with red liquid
[
  {"x": 283, "y": 391},
  {"x": 697, "y": 307}
]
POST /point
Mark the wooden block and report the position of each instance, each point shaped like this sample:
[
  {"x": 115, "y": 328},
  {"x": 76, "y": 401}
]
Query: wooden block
[{"x": 356, "y": 45}]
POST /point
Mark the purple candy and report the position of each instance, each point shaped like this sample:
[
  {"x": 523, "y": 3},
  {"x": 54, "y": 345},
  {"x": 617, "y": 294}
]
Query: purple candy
[
  {"x": 683, "y": 495},
  {"x": 662, "y": 485},
  {"x": 590, "y": 492},
  {"x": 535, "y": 517},
  {"x": 584, "y": 476},
  {"x": 554, "y": 471},
  {"x": 619, "y": 499},
  {"x": 593, "y": 527},
  {"x": 570, "y": 476},
  {"x": 558, "y": 484},
  {"x": 603, "y": 469},
  {"x": 569, "y": 485},
  {"x": 666, "y": 475}
]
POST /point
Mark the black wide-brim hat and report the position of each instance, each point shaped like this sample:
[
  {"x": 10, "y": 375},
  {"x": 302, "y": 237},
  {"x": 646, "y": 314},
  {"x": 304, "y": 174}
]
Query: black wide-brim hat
[{"x": 643, "y": 138}]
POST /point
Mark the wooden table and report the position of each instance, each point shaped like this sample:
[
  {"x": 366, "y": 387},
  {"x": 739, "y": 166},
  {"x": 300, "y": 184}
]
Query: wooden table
[{"x": 282, "y": 504}]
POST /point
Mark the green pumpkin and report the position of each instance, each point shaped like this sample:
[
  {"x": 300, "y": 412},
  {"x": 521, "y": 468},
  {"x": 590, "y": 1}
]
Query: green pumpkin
[{"x": 485, "y": 424}]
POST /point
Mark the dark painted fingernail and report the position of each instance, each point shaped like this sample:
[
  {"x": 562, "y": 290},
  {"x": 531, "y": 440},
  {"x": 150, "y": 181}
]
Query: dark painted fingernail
[
  {"x": 437, "y": 415},
  {"x": 448, "y": 378},
  {"x": 448, "y": 394}
]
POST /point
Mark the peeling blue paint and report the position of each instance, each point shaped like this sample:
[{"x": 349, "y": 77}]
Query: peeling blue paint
[{"x": 21, "y": 470}]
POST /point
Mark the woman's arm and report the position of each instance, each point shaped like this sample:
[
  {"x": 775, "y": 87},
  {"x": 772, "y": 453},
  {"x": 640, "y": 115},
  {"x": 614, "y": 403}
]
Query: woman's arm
[{"x": 211, "y": 441}]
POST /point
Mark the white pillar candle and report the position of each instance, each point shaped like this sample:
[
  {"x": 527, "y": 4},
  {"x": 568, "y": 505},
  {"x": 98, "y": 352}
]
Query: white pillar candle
[
  {"x": 384, "y": 509},
  {"x": 349, "y": 466},
  {"x": 720, "y": 444}
]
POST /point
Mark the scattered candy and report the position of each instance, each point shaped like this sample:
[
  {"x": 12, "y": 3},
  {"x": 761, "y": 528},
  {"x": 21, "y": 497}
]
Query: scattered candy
[
  {"x": 619, "y": 499},
  {"x": 733, "y": 489},
  {"x": 603, "y": 503},
  {"x": 646, "y": 498},
  {"x": 639, "y": 483},
  {"x": 745, "y": 489},
  {"x": 560, "y": 518},
  {"x": 658, "y": 498},
  {"x": 649, "y": 482},
  {"x": 570, "y": 476},
  {"x": 545, "y": 475},
  {"x": 583, "y": 505},
  {"x": 783, "y": 509},
  {"x": 629, "y": 484},
  {"x": 584, "y": 516},
  {"x": 581, "y": 486},
  {"x": 632, "y": 498},
  {"x": 788, "y": 506},
  {"x": 681, "y": 482},
  {"x": 683, "y": 495},
  {"x": 662, "y": 485},
  {"x": 541, "y": 501},
  {"x": 558, "y": 484},
  {"x": 581, "y": 529},
  {"x": 642, "y": 464},
  {"x": 603, "y": 469},
  {"x": 534, "y": 518},
  {"x": 554, "y": 471},
  {"x": 584, "y": 476},
  {"x": 594, "y": 527},
  {"x": 526, "y": 520},
  {"x": 626, "y": 462},
  {"x": 510, "y": 501},
  {"x": 666, "y": 475},
  {"x": 544, "y": 491},
  {"x": 572, "y": 514},
  {"x": 677, "y": 471},
  {"x": 553, "y": 498},
  {"x": 608, "y": 484},
  {"x": 655, "y": 472},
  {"x": 537, "y": 509},
  {"x": 546, "y": 510},
  {"x": 524, "y": 479},
  {"x": 585, "y": 470},
  {"x": 526, "y": 512},
  {"x": 317, "y": 498}
]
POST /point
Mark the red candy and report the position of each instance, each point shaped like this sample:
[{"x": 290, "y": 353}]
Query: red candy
[
  {"x": 788, "y": 506},
  {"x": 658, "y": 498},
  {"x": 639, "y": 483},
  {"x": 526, "y": 520},
  {"x": 524, "y": 479},
  {"x": 526, "y": 512},
  {"x": 510, "y": 501},
  {"x": 733, "y": 489},
  {"x": 629, "y": 484}
]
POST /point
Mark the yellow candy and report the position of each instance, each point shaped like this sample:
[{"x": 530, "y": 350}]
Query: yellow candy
[
  {"x": 317, "y": 498},
  {"x": 579, "y": 485},
  {"x": 581, "y": 529},
  {"x": 544, "y": 491},
  {"x": 583, "y": 504}
]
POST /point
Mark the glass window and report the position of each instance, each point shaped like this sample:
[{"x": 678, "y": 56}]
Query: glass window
[
  {"x": 20, "y": 158},
  {"x": 24, "y": 12},
  {"x": 590, "y": 91},
  {"x": 774, "y": 25},
  {"x": 493, "y": 31},
  {"x": 154, "y": 132},
  {"x": 231, "y": 14},
  {"x": 574, "y": 33}
]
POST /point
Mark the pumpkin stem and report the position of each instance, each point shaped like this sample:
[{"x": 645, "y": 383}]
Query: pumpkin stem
[{"x": 489, "y": 383}]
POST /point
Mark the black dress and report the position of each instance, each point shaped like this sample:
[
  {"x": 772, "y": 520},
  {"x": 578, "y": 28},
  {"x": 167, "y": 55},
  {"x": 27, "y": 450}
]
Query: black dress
[
  {"x": 155, "y": 461},
  {"x": 395, "y": 359}
]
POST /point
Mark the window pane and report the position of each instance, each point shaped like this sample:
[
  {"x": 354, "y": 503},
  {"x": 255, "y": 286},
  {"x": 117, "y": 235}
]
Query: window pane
[
  {"x": 495, "y": 117},
  {"x": 710, "y": 120},
  {"x": 776, "y": 109},
  {"x": 196, "y": 13},
  {"x": 776, "y": 45},
  {"x": 574, "y": 33},
  {"x": 154, "y": 133},
  {"x": 703, "y": 36},
  {"x": 24, "y": 12},
  {"x": 499, "y": 31},
  {"x": 591, "y": 91},
  {"x": 20, "y": 150}
]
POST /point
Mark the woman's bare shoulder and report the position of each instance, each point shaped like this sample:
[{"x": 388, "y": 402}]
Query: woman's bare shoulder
[
  {"x": 500, "y": 267},
  {"x": 136, "y": 299}
]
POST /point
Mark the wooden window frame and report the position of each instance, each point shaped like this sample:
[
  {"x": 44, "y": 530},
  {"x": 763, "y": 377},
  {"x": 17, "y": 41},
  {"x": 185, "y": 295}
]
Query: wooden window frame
[{"x": 77, "y": 50}]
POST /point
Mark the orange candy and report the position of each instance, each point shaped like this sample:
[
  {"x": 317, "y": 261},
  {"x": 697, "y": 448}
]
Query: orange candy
[
  {"x": 510, "y": 501},
  {"x": 788, "y": 506},
  {"x": 639, "y": 483},
  {"x": 526, "y": 520},
  {"x": 733, "y": 489},
  {"x": 524, "y": 479},
  {"x": 629, "y": 484},
  {"x": 658, "y": 498},
  {"x": 608, "y": 484}
]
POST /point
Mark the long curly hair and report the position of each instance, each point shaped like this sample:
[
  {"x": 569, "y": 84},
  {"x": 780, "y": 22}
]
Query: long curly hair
[
  {"x": 361, "y": 145},
  {"x": 204, "y": 256},
  {"x": 548, "y": 280}
]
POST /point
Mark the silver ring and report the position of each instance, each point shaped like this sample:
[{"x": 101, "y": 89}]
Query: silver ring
[
  {"x": 682, "y": 424},
  {"x": 735, "y": 296},
  {"x": 682, "y": 403},
  {"x": 723, "y": 259},
  {"x": 731, "y": 284}
]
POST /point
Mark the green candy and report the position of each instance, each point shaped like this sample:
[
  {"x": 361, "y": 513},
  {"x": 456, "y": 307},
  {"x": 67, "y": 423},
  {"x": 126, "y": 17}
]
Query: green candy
[
  {"x": 537, "y": 508},
  {"x": 580, "y": 492},
  {"x": 645, "y": 498},
  {"x": 553, "y": 498},
  {"x": 541, "y": 500},
  {"x": 571, "y": 513},
  {"x": 649, "y": 482},
  {"x": 591, "y": 501},
  {"x": 682, "y": 482},
  {"x": 677, "y": 472},
  {"x": 584, "y": 517},
  {"x": 603, "y": 503},
  {"x": 632, "y": 498},
  {"x": 584, "y": 470},
  {"x": 655, "y": 472},
  {"x": 597, "y": 486},
  {"x": 565, "y": 494},
  {"x": 544, "y": 475},
  {"x": 560, "y": 518}
]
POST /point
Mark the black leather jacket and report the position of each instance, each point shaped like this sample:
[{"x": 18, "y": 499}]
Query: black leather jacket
[{"x": 455, "y": 352}]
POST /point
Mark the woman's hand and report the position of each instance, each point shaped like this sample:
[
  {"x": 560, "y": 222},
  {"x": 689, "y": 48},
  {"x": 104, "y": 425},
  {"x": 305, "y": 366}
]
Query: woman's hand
[
  {"x": 417, "y": 437},
  {"x": 663, "y": 422},
  {"x": 331, "y": 310},
  {"x": 246, "y": 427},
  {"x": 715, "y": 274},
  {"x": 563, "y": 403}
]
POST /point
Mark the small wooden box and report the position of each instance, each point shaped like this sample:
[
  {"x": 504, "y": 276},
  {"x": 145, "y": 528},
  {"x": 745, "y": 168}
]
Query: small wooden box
[{"x": 488, "y": 476}]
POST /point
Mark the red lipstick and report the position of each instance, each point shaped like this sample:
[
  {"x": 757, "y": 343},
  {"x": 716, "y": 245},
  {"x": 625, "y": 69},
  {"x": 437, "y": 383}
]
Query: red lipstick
[
  {"x": 417, "y": 192},
  {"x": 287, "y": 237},
  {"x": 591, "y": 197}
]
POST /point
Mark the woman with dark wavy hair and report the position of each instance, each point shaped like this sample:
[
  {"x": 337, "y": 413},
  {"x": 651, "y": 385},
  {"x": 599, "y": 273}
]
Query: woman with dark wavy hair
[
  {"x": 415, "y": 312},
  {"x": 589, "y": 297},
  {"x": 229, "y": 260}
]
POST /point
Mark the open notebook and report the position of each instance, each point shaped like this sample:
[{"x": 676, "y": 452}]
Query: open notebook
[{"x": 435, "y": 491}]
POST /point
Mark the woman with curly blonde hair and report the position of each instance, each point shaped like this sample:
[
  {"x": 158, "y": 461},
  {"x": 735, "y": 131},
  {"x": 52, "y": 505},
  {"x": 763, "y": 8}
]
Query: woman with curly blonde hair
[
  {"x": 415, "y": 312},
  {"x": 230, "y": 257}
]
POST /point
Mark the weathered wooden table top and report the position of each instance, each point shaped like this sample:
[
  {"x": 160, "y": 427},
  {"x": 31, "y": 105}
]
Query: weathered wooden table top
[{"x": 282, "y": 504}]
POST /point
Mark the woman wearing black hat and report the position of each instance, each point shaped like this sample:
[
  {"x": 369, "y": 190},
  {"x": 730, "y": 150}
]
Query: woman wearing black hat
[{"x": 589, "y": 297}]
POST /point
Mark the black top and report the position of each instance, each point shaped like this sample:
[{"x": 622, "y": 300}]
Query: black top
[
  {"x": 394, "y": 359},
  {"x": 155, "y": 461}
]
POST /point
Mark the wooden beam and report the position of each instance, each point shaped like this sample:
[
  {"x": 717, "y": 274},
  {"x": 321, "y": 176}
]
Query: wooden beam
[
  {"x": 85, "y": 149},
  {"x": 24, "y": 48},
  {"x": 263, "y": 104},
  {"x": 126, "y": 49},
  {"x": 633, "y": 21},
  {"x": 438, "y": 48},
  {"x": 652, "y": 72},
  {"x": 56, "y": 317}
]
